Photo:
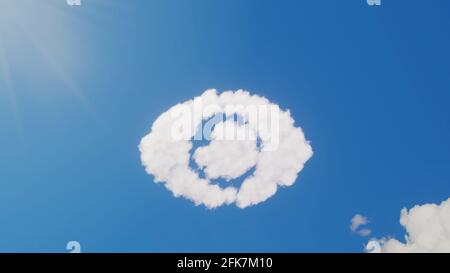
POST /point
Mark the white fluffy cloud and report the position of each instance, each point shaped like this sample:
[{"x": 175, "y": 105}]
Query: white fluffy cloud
[
  {"x": 227, "y": 158},
  {"x": 356, "y": 222},
  {"x": 427, "y": 230},
  {"x": 276, "y": 162}
]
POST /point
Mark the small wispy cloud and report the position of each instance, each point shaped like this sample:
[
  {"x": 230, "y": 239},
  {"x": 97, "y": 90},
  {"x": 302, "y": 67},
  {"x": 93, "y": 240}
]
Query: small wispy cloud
[{"x": 357, "y": 222}]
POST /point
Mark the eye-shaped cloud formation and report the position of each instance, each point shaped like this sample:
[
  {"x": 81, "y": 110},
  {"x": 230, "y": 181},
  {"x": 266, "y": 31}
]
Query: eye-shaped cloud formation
[
  {"x": 266, "y": 139},
  {"x": 427, "y": 230}
]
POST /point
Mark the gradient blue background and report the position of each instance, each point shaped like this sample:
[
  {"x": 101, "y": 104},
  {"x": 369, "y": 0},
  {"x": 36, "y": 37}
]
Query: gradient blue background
[{"x": 369, "y": 85}]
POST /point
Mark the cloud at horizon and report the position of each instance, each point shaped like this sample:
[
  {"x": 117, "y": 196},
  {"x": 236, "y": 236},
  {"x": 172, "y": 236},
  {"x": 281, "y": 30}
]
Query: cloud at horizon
[{"x": 427, "y": 229}]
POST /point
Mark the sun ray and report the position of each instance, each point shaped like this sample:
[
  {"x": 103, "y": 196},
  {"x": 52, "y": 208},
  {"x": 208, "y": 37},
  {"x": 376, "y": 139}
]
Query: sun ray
[
  {"x": 5, "y": 75},
  {"x": 44, "y": 22},
  {"x": 61, "y": 71}
]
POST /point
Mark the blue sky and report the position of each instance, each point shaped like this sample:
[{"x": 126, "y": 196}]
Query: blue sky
[{"x": 80, "y": 86}]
